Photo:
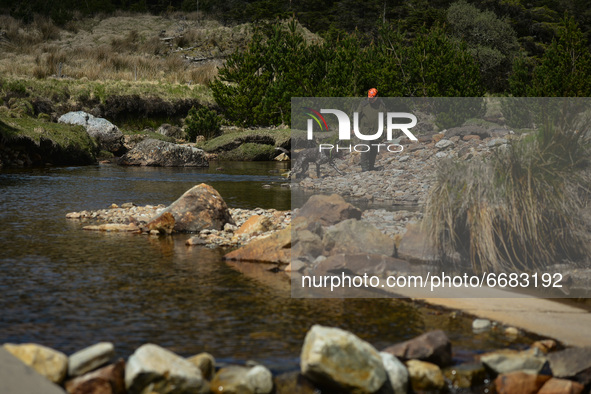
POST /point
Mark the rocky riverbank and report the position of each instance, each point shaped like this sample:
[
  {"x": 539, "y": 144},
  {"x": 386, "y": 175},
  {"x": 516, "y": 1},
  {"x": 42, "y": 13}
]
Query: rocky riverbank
[
  {"x": 405, "y": 178},
  {"x": 331, "y": 360}
]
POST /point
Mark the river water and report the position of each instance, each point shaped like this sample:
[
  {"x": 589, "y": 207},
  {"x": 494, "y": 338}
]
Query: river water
[{"x": 67, "y": 288}]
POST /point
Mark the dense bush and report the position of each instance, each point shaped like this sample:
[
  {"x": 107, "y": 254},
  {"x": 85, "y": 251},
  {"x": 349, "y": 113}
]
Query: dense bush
[{"x": 203, "y": 121}]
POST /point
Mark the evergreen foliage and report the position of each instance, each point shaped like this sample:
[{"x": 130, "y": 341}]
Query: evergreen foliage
[{"x": 203, "y": 121}]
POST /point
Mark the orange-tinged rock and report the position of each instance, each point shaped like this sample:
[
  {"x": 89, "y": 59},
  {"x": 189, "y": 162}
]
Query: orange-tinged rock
[
  {"x": 519, "y": 383},
  {"x": 275, "y": 248},
  {"x": 561, "y": 386},
  {"x": 256, "y": 224}
]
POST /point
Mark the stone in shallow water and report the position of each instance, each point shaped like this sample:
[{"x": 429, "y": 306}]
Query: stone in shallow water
[
  {"x": 337, "y": 359},
  {"x": 205, "y": 362},
  {"x": 242, "y": 380},
  {"x": 17, "y": 377},
  {"x": 397, "y": 373},
  {"x": 520, "y": 382},
  {"x": 153, "y": 368},
  {"x": 507, "y": 360},
  {"x": 425, "y": 376},
  {"x": 46, "y": 361},
  {"x": 465, "y": 376},
  {"x": 433, "y": 346},
  {"x": 481, "y": 325},
  {"x": 107, "y": 380},
  {"x": 92, "y": 357}
]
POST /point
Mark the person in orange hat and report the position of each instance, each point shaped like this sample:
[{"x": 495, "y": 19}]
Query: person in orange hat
[{"x": 369, "y": 112}]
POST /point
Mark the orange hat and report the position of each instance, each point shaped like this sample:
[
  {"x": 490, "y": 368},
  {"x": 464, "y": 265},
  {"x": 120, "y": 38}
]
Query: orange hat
[{"x": 373, "y": 92}]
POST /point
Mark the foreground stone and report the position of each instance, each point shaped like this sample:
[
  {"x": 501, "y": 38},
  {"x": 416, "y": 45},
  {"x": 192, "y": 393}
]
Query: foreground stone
[
  {"x": 156, "y": 153},
  {"x": 465, "y": 376},
  {"x": 107, "y": 380},
  {"x": 200, "y": 208},
  {"x": 337, "y": 359},
  {"x": 570, "y": 362},
  {"x": 328, "y": 210},
  {"x": 519, "y": 382},
  {"x": 425, "y": 376},
  {"x": 17, "y": 377},
  {"x": 159, "y": 370},
  {"x": 47, "y": 362},
  {"x": 205, "y": 362},
  {"x": 90, "y": 358},
  {"x": 433, "y": 347},
  {"x": 242, "y": 380},
  {"x": 106, "y": 134},
  {"x": 561, "y": 386},
  {"x": 397, "y": 373},
  {"x": 507, "y": 360},
  {"x": 276, "y": 248}
]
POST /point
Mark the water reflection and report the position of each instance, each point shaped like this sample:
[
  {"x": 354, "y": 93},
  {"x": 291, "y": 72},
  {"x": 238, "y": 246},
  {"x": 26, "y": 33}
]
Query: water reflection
[{"x": 67, "y": 288}]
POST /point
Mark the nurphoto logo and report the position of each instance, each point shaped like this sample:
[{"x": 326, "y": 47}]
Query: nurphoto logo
[{"x": 392, "y": 123}]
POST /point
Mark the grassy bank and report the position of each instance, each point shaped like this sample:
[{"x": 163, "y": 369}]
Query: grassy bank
[{"x": 38, "y": 141}]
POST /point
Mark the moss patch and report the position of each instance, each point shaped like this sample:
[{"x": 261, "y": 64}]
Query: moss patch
[{"x": 51, "y": 142}]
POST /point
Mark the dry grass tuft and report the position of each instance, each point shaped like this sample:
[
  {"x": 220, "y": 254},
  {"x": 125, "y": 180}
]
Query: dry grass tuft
[{"x": 518, "y": 211}]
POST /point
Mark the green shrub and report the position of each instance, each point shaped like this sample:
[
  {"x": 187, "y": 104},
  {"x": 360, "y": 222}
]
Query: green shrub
[{"x": 203, "y": 121}]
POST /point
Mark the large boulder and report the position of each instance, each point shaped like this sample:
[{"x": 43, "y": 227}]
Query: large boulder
[
  {"x": 156, "y": 153},
  {"x": 433, "y": 347},
  {"x": 328, "y": 210},
  {"x": 275, "y": 248},
  {"x": 200, "y": 208},
  {"x": 336, "y": 359},
  {"x": 154, "y": 369},
  {"x": 106, "y": 134},
  {"x": 46, "y": 361}
]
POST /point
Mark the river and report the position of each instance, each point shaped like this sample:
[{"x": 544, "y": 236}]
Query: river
[{"x": 67, "y": 288}]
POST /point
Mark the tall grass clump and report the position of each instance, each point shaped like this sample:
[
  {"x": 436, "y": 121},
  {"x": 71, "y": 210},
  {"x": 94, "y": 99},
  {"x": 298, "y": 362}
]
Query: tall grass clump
[{"x": 519, "y": 210}]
